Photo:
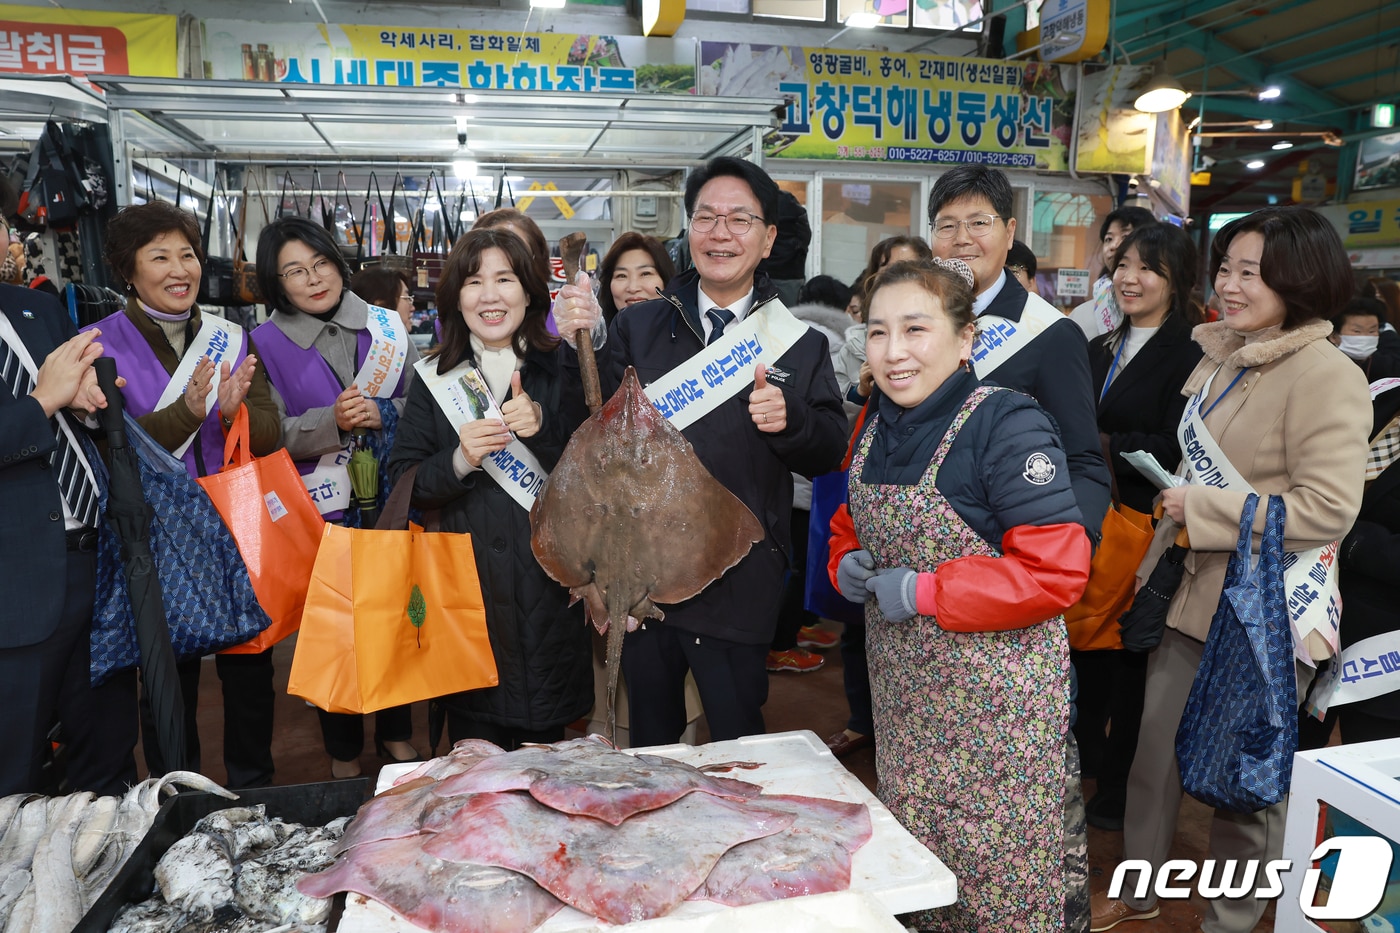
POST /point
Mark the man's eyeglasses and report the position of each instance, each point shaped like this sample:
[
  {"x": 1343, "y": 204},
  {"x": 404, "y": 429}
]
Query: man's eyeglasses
[
  {"x": 978, "y": 225},
  {"x": 737, "y": 223},
  {"x": 322, "y": 267}
]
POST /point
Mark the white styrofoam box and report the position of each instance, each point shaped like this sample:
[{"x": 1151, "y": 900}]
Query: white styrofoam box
[
  {"x": 1361, "y": 780},
  {"x": 893, "y": 870}
]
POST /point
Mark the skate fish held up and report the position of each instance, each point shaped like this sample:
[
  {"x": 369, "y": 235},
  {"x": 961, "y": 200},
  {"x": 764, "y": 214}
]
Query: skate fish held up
[{"x": 631, "y": 518}]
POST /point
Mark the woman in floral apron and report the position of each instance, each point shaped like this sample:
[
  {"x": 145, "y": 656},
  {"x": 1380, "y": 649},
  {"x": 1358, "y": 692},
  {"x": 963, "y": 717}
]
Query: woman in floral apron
[{"x": 971, "y": 545}]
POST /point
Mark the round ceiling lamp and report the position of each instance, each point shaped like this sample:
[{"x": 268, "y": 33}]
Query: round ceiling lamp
[{"x": 1162, "y": 93}]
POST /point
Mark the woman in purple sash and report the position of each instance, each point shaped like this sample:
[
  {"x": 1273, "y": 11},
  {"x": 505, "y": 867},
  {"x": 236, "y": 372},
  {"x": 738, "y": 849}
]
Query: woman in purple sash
[
  {"x": 186, "y": 377},
  {"x": 339, "y": 369}
]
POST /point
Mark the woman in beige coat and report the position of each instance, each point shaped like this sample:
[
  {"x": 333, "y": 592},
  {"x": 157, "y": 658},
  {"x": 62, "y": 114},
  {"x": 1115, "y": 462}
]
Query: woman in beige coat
[{"x": 1292, "y": 415}]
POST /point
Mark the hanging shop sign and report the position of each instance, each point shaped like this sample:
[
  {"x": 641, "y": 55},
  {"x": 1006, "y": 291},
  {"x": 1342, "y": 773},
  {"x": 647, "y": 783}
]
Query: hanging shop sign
[
  {"x": 1378, "y": 161},
  {"x": 1072, "y": 30},
  {"x": 1114, "y": 136},
  {"x": 1170, "y": 168},
  {"x": 477, "y": 60},
  {"x": 42, "y": 40},
  {"x": 1365, "y": 223},
  {"x": 888, "y": 107}
]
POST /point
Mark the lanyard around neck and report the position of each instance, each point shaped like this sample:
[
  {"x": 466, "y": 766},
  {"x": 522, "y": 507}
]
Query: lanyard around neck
[
  {"x": 1108, "y": 380},
  {"x": 1233, "y": 381}
]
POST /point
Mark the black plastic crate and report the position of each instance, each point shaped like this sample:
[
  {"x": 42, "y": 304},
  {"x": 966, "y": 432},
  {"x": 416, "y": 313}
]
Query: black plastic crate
[{"x": 308, "y": 804}]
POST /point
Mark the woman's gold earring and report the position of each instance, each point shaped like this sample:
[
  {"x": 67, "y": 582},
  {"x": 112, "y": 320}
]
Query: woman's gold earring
[{"x": 966, "y": 367}]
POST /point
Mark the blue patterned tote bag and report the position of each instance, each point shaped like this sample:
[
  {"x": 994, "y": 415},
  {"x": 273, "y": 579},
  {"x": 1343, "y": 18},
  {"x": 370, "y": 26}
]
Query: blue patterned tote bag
[
  {"x": 1239, "y": 730},
  {"x": 209, "y": 599}
]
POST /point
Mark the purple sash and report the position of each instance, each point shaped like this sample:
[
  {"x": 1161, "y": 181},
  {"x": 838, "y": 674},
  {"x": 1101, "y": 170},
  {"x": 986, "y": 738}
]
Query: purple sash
[
  {"x": 303, "y": 377},
  {"x": 146, "y": 380}
]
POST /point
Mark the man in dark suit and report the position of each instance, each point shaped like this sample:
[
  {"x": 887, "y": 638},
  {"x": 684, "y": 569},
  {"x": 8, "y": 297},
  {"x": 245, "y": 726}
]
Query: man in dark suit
[{"x": 48, "y": 546}]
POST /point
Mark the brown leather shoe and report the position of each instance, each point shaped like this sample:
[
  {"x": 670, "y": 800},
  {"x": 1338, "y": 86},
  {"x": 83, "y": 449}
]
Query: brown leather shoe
[
  {"x": 1105, "y": 912},
  {"x": 842, "y": 744}
]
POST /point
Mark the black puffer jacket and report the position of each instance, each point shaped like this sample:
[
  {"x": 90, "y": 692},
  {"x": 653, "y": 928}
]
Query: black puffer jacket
[
  {"x": 657, "y": 336},
  {"x": 542, "y": 646}
]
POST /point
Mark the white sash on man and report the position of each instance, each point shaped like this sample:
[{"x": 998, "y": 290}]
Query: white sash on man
[
  {"x": 329, "y": 483},
  {"x": 999, "y": 338},
  {"x": 1369, "y": 668},
  {"x": 1310, "y": 577},
  {"x": 1383, "y": 385},
  {"x": 515, "y": 468},
  {"x": 725, "y": 368},
  {"x": 221, "y": 341}
]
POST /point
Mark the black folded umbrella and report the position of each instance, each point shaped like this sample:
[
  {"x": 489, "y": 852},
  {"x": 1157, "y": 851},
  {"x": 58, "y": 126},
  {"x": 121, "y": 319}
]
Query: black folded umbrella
[
  {"x": 1145, "y": 621},
  {"x": 130, "y": 518}
]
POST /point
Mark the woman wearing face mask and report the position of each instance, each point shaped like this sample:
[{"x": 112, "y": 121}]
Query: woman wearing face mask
[
  {"x": 970, "y": 546},
  {"x": 635, "y": 269},
  {"x": 1359, "y": 332},
  {"x": 1138, "y": 370},
  {"x": 1275, "y": 409},
  {"x": 339, "y": 368},
  {"x": 163, "y": 345},
  {"x": 493, "y": 303}
]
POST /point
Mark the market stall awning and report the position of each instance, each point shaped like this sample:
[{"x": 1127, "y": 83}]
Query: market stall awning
[
  {"x": 27, "y": 102},
  {"x": 266, "y": 122}
]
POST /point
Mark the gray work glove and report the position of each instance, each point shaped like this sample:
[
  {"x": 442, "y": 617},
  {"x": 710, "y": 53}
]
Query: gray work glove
[
  {"x": 855, "y": 568},
  {"x": 894, "y": 589}
]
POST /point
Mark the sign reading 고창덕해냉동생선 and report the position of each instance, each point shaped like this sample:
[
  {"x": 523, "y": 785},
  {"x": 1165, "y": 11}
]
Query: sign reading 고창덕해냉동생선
[
  {"x": 892, "y": 107},
  {"x": 470, "y": 59}
]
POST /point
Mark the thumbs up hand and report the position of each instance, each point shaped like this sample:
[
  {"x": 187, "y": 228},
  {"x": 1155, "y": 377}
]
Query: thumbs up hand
[
  {"x": 522, "y": 414},
  {"x": 767, "y": 404}
]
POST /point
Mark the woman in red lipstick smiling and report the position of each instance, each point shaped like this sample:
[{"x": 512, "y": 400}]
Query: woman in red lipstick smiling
[{"x": 166, "y": 349}]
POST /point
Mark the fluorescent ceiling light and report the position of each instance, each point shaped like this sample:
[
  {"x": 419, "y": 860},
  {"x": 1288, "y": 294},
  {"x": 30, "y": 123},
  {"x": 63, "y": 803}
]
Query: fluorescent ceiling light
[
  {"x": 1282, "y": 145},
  {"x": 1271, "y": 93},
  {"x": 1264, "y": 125},
  {"x": 1254, "y": 164}
]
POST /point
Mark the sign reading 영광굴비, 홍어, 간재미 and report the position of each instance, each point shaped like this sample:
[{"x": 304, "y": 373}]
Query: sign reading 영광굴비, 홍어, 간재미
[{"x": 895, "y": 107}]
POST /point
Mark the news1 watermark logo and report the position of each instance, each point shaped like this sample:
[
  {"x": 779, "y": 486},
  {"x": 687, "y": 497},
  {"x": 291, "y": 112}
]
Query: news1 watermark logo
[{"x": 1356, "y": 886}]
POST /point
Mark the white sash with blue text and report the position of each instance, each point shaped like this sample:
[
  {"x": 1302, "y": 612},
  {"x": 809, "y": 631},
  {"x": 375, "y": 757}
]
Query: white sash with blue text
[
  {"x": 1310, "y": 577},
  {"x": 725, "y": 368},
  {"x": 999, "y": 338},
  {"x": 217, "y": 339},
  {"x": 388, "y": 350},
  {"x": 329, "y": 483},
  {"x": 515, "y": 469}
]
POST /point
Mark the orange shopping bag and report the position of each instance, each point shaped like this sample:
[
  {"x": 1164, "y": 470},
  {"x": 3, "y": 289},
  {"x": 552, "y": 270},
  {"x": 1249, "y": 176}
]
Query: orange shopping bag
[
  {"x": 276, "y": 525},
  {"x": 392, "y": 617},
  {"x": 1093, "y": 621}
]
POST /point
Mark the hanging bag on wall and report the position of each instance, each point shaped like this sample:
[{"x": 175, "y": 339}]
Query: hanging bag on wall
[
  {"x": 394, "y": 615},
  {"x": 245, "y": 273},
  {"x": 216, "y": 285},
  {"x": 430, "y": 258},
  {"x": 1239, "y": 729},
  {"x": 367, "y": 239}
]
